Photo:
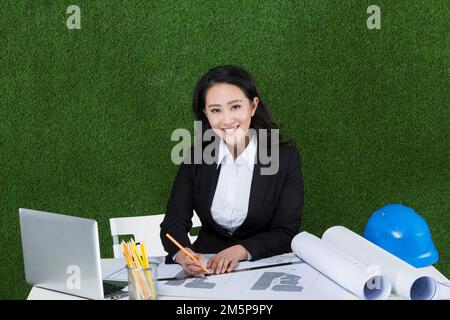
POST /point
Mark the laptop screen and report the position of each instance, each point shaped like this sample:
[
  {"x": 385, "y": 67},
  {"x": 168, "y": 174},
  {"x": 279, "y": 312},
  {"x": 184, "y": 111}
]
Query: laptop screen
[{"x": 61, "y": 253}]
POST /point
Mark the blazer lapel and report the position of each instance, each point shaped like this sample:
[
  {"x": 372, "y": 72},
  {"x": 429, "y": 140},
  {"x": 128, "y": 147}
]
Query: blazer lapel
[
  {"x": 213, "y": 173},
  {"x": 211, "y": 178}
]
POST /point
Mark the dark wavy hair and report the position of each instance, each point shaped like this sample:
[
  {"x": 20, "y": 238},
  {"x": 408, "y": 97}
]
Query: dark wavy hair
[{"x": 237, "y": 76}]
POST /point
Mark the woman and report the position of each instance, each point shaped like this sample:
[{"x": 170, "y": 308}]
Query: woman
[{"x": 245, "y": 214}]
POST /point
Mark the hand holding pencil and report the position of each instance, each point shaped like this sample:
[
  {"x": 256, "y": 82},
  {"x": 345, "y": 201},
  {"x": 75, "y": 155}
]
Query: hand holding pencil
[{"x": 191, "y": 262}]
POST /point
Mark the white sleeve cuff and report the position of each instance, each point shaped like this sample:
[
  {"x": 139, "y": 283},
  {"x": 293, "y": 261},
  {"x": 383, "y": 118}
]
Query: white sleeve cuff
[{"x": 249, "y": 256}]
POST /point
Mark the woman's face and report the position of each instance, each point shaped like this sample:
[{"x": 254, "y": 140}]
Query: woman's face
[{"x": 229, "y": 112}]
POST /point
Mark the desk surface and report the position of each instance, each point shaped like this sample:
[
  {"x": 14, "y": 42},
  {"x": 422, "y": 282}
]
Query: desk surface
[
  {"x": 37, "y": 293},
  {"x": 44, "y": 294}
]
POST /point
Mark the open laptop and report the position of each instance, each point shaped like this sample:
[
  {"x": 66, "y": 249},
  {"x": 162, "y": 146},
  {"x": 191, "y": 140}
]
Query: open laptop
[{"x": 62, "y": 253}]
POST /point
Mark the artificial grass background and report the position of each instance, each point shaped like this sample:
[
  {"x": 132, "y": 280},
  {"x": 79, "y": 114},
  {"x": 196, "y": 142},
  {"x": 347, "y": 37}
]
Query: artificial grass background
[{"x": 86, "y": 115}]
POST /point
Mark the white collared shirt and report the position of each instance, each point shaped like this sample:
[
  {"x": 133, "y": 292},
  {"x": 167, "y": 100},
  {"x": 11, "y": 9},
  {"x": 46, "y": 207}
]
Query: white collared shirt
[{"x": 230, "y": 204}]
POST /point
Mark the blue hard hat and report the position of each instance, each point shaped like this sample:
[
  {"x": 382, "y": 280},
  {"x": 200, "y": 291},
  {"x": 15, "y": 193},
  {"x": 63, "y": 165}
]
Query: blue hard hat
[{"x": 399, "y": 230}]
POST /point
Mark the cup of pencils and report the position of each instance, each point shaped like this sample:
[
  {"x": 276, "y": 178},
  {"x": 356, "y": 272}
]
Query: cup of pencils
[{"x": 142, "y": 274}]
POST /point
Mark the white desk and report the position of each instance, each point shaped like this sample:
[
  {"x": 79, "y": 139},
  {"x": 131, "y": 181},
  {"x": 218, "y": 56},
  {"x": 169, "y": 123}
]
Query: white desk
[
  {"x": 43, "y": 294},
  {"x": 37, "y": 293}
]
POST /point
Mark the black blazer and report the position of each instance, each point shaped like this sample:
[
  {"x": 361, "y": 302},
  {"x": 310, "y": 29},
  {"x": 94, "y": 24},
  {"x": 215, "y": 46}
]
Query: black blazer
[{"x": 273, "y": 218}]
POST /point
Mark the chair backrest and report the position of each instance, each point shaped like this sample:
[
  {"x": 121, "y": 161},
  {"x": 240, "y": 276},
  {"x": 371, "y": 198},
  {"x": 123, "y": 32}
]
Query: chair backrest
[{"x": 143, "y": 228}]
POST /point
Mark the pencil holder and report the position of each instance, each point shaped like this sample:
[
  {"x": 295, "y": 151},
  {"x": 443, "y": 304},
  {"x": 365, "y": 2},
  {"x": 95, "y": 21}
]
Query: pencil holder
[{"x": 143, "y": 282}]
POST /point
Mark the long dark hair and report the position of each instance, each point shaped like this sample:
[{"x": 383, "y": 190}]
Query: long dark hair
[{"x": 237, "y": 76}]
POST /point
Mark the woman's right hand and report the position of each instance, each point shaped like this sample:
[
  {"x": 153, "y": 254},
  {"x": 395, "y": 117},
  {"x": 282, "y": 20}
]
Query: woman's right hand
[{"x": 191, "y": 267}]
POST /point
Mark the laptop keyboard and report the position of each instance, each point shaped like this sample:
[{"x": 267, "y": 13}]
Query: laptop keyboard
[{"x": 109, "y": 288}]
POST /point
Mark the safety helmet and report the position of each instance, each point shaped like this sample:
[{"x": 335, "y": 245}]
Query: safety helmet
[{"x": 399, "y": 230}]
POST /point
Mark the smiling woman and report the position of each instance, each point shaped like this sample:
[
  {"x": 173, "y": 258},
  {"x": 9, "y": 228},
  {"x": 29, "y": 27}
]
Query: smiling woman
[
  {"x": 245, "y": 214},
  {"x": 229, "y": 88},
  {"x": 230, "y": 120}
]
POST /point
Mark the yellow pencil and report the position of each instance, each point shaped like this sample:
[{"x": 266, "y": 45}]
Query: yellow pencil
[
  {"x": 135, "y": 259},
  {"x": 186, "y": 252},
  {"x": 144, "y": 254},
  {"x": 147, "y": 265},
  {"x": 139, "y": 280},
  {"x": 126, "y": 254},
  {"x": 133, "y": 245}
]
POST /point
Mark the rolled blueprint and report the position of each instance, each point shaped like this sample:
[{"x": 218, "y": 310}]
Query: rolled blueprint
[
  {"x": 407, "y": 281},
  {"x": 348, "y": 272}
]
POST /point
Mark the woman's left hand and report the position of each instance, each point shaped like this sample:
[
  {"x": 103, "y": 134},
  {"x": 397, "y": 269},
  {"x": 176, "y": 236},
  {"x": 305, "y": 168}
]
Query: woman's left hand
[{"x": 227, "y": 260}]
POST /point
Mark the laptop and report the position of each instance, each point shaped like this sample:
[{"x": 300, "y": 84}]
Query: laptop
[{"x": 62, "y": 253}]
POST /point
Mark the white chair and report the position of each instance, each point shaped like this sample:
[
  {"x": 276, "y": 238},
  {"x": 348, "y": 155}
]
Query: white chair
[{"x": 143, "y": 228}]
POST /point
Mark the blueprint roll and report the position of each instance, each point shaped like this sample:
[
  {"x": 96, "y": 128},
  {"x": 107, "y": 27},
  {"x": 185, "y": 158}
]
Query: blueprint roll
[
  {"x": 351, "y": 274},
  {"x": 407, "y": 281}
]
